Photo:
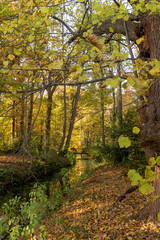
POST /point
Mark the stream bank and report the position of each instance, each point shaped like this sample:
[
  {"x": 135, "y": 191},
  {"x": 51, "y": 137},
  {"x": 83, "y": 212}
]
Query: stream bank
[
  {"x": 15, "y": 173},
  {"x": 53, "y": 193},
  {"x": 88, "y": 211}
]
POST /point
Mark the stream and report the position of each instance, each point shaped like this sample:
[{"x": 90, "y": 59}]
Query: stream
[{"x": 52, "y": 183}]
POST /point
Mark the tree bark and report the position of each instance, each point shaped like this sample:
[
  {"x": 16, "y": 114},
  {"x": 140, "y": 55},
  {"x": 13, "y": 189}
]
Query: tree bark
[
  {"x": 150, "y": 112},
  {"x": 73, "y": 115},
  {"x": 119, "y": 107},
  {"x": 30, "y": 113},
  {"x": 13, "y": 122},
  {"x": 102, "y": 109},
  {"x": 113, "y": 116},
  {"x": 65, "y": 120},
  {"x": 48, "y": 117},
  {"x": 22, "y": 131}
]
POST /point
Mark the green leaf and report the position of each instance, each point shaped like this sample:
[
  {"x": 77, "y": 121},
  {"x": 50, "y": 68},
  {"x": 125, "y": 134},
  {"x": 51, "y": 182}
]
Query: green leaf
[
  {"x": 152, "y": 161},
  {"x": 124, "y": 142},
  {"x": 152, "y": 198},
  {"x": 158, "y": 160},
  {"x": 51, "y": 66},
  {"x": 4, "y": 70},
  {"x": 126, "y": 17},
  {"x": 11, "y": 57},
  {"x": 158, "y": 215},
  {"x": 134, "y": 177},
  {"x": 45, "y": 10},
  {"x": 59, "y": 64},
  {"x": 31, "y": 38},
  {"x": 83, "y": 58},
  {"x": 136, "y": 130},
  {"x": 79, "y": 69},
  {"x": 138, "y": 41},
  {"x": 125, "y": 85},
  {"x": 111, "y": 30},
  {"x": 115, "y": 81},
  {"x": 18, "y": 51},
  {"x": 97, "y": 6},
  {"x": 145, "y": 188},
  {"x": 5, "y": 63},
  {"x": 131, "y": 81},
  {"x": 149, "y": 174},
  {"x": 82, "y": 78}
]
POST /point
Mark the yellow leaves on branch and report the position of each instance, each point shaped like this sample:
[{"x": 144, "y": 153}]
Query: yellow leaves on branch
[
  {"x": 92, "y": 39},
  {"x": 155, "y": 72}
]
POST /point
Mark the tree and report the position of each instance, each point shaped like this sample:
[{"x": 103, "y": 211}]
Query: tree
[
  {"x": 29, "y": 42},
  {"x": 142, "y": 27}
]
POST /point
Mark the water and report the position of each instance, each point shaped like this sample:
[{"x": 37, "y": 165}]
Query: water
[{"x": 53, "y": 183}]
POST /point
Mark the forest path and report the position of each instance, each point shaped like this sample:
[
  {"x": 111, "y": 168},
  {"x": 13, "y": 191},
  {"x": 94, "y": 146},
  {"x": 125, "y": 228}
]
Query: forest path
[{"x": 88, "y": 212}]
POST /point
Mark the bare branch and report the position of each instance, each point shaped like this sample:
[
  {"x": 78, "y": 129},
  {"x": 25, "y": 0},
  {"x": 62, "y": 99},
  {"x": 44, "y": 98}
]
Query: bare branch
[{"x": 64, "y": 23}]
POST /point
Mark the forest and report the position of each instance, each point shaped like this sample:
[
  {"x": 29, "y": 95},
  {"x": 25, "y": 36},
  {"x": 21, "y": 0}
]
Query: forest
[{"x": 80, "y": 119}]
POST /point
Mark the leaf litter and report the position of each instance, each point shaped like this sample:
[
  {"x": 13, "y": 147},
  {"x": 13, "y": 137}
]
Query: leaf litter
[{"x": 89, "y": 212}]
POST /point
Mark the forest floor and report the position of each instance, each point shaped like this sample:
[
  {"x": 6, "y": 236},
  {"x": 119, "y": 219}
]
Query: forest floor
[
  {"x": 10, "y": 164},
  {"x": 88, "y": 211}
]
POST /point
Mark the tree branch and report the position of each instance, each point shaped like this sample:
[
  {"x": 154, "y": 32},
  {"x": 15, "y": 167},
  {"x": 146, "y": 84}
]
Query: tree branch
[
  {"x": 65, "y": 24},
  {"x": 117, "y": 26}
]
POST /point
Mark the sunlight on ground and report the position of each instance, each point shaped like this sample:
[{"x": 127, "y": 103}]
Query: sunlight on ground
[{"x": 88, "y": 213}]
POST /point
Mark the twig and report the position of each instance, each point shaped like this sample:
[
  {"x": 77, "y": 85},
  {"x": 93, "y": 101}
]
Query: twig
[{"x": 129, "y": 190}]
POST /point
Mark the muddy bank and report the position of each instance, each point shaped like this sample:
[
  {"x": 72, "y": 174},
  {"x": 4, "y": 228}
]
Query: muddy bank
[{"x": 17, "y": 172}]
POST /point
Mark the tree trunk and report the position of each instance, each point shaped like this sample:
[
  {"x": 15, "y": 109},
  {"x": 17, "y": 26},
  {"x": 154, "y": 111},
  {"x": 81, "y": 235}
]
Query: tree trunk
[
  {"x": 22, "y": 125},
  {"x": 65, "y": 120},
  {"x": 150, "y": 112},
  {"x": 119, "y": 91},
  {"x": 41, "y": 143},
  {"x": 74, "y": 111},
  {"x": 113, "y": 116},
  {"x": 13, "y": 122},
  {"x": 48, "y": 117},
  {"x": 119, "y": 107},
  {"x": 102, "y": 109},
  {"x": 30, "y": 113}
]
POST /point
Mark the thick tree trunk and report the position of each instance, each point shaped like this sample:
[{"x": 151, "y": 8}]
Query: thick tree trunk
[{"x": 150, "y": 112}]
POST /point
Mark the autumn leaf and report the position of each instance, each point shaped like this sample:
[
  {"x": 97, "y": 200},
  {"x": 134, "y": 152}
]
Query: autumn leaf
[
  {"x": 152, "y": 161},
  {"x": 136, "y": 130},
  {"x": 124, "y": 142},
  {"x": 134, "y": 177},
  {"x": 145, "y": 187},
  {"x": 11, "y": 57},
  {"x": 158, "y": 160},
  {"x": 149, "y": 174}
]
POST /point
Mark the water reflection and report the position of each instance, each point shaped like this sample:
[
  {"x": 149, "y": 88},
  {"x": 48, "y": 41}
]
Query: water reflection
[{"x": 54, "y": 184}]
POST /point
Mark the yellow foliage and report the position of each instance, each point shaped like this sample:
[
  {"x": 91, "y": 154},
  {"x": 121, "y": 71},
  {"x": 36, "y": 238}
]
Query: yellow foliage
[{"x": 155, "y": 72}]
